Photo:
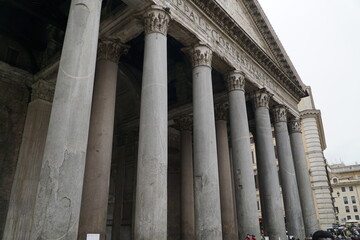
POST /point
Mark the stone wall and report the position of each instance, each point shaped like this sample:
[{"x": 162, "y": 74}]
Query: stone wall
[{"x": 14, "y": 98}]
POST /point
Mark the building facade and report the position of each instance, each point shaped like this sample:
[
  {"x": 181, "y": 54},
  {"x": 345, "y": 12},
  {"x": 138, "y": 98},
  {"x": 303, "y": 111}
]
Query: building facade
[
  {"x": 135, "y": 121},
  {"x": 345, "y": 182}
]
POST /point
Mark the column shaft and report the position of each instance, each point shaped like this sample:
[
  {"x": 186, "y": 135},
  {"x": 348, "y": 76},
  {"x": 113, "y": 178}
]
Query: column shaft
[
  {"x": 94, "y": 202},
  {"x": 245, "y": 190},
  {"x": 59, "y": 193},
  {"x": 151, "y": 188},
  {"x": 207, "y": 196},
  {"x": 294, "y": 219},
  {"x": 225, "y": 181},
  {"x": 22, "y": 202},
  {"x": 271, "y": 202},
  {"x": 303, "y": 178},
  {"x": 187, "y": 187}
]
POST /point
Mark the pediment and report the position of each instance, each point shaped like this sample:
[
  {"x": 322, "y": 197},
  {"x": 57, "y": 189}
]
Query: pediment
[{"x": 238, "y": 11}]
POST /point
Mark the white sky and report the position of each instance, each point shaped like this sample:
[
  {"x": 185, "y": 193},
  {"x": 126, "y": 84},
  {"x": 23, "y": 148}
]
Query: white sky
[{"x": 322, "y": 39}]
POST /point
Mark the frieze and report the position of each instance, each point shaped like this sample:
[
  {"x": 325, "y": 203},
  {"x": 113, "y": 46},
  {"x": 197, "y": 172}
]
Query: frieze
[
  {"x": 279, "y": 113},
  {"x": 295, "y": 125},
  {"x": 235, "y": 81},
  {"x": 219, "y": 39}
]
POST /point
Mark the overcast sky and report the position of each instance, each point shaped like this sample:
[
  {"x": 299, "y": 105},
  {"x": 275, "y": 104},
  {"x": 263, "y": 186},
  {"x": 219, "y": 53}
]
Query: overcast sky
[{"x": 322, "y": 39}]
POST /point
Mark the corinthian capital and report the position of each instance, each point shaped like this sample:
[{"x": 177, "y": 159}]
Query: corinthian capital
[
  {"x": 261, "y": 98},
  {"x": 279, "y": 113},
  {"x": 201, "y": 55},
  {"x": 235, "y": 81},
  {"x": 156, "y": 20},
  {"x": 111, "y": 49},
  {"x": 295, "y": 125},
  {"x": 185, "y": 122},
  {"x": 221, "y": 111}
]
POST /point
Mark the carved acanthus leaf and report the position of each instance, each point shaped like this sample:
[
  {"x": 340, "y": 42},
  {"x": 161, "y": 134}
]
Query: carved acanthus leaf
[
  {"x": 184, "y": 122},
  {"x": 111, "y": 49},
  {"x": 221, "y": 111},
  {"x": 235, "y": 81},
  {"x": 201, "y": 55},
  {"x": 156, "y": 20},
  {"x": 279, "y": 113},
  {"x": 261, "y": 98},
  {"x": 295, "y": 125}
]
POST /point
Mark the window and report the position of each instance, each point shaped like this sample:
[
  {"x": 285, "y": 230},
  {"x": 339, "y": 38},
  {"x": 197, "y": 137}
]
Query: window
[
  {"x": 337, "y": 218},
  {"x": 258, "y": 205},
  {"x": 343, "y": 189},
  {"x": 351, "y": 189},
  {"x": 253, "y": 158},
  {"x": 345, "y": 200},
  {"x": 353, "y": 200},
  {"x": 348, "y": 217},
  {"x": 347, "y": 209},
  {"x": 336, "y": 209},
  {"x": 355, "y": 208},
  {"x": 335, "y": 180},
  {"x": 357, "y": 217}
]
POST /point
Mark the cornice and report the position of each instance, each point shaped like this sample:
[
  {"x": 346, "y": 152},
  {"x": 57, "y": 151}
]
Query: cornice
[
  {"x": 309, "y": 113},
  {"x": 282, "y": 70}
]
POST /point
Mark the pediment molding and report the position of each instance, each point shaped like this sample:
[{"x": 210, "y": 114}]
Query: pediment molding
[{"x": 282, "y": 70}]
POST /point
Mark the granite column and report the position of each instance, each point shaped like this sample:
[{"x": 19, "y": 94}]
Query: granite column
[
  {"x": 225, "y": 181},
  {"x": 207, "y": 195},
  {"x": 26, "y": 180},
  {"x": 151, "y": 185},
  {"x": 269, "y": 186},
  {"x": 245, "y": 190},
  {"x": 94, "y": 202},
  {"x": 294, "y": 218},
  {"x": 187, "y": 179},
  {"x": 303, "y": 178},
  {"x": 58, "y": 201}
]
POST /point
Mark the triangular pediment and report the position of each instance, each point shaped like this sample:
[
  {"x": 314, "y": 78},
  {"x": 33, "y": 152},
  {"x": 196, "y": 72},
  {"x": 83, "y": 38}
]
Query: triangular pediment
[{"x": 238, "y": 11}]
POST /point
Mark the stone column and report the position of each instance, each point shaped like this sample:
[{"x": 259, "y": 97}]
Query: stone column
[
  {"x": 187, "y": 180},
  {"x": 151, "y": 188},
  {"x": 303, "y": 178},
  {"x": 245, "y": 190},
  {"x": 294, "y": 218},
  {"x": 59, "y": 193},
  {"x": 271, "y": 202},
  {"x": 225, "y": 181},
  {"x": 22, "y": 202},
  {"x": 207, "y": 196},
  {"x": 94, "y": 201}
]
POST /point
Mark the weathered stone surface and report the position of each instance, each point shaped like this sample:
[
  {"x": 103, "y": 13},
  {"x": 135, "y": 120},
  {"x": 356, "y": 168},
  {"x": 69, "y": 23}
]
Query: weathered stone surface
[
  {"x": 151, "y": 189},
  {"x": 225, "y": 177},
  {"x": 207, "y": 195},
  {"x": 58, "y": 199},
  {"x": 13, "y": 106},
  {"x": 244, "y": 182},
  {"x": 269, "y": 186},
  {"x": 290, "y": 193},
  {"x": 303, "y": 178},
  {"x": 23, "y": 195}
]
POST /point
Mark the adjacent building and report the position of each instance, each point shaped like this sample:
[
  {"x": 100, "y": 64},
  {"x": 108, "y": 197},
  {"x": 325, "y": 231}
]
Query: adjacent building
[{"x": 345, "y": 182}]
